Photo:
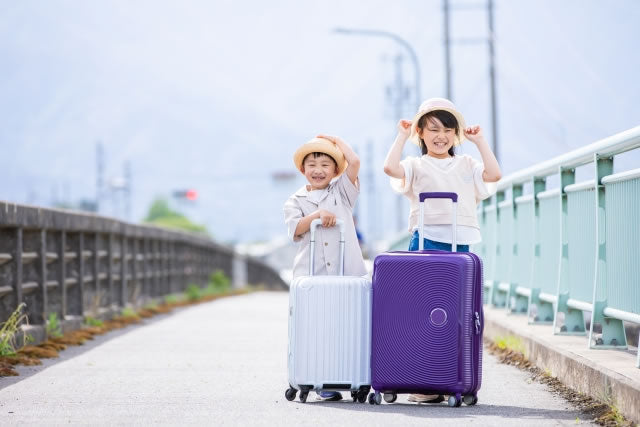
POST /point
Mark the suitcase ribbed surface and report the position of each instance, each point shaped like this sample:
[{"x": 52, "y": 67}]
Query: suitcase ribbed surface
[
  {"x": 423, "y": 322},
  {"x": 330, "y": 331}
]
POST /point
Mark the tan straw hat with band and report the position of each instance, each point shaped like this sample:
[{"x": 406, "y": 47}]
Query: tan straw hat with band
[
  {"x": 434, "y": 104},
  {"x": 320, "y": 145}
]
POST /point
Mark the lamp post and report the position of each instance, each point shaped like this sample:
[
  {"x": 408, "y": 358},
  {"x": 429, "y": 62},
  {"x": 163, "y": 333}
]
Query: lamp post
[
  {"x": 414, "y": 59},
  {"x": 395, "y": 38}
]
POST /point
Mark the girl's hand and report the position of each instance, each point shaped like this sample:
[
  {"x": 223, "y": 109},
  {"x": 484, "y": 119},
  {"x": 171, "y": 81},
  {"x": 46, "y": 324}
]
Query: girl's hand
[
  {"x": 328, "y": 219},
  {"x": 404, "y": 128},
  {"x": 474, "y": 134}
]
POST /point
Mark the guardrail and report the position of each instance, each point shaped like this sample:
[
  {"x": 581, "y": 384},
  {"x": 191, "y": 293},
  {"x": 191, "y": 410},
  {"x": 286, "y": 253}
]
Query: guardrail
[
  {"x": 556, "y": 253},
  {"x": 76, "y": 264}
]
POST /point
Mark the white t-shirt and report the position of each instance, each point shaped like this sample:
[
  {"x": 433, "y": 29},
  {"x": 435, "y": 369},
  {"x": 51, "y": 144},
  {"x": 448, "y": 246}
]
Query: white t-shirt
[{"x": 466, "y": 235}]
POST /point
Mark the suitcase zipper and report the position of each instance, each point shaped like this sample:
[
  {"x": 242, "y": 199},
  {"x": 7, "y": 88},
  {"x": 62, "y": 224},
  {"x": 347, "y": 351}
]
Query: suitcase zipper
[{"x": 476, "y": 322}]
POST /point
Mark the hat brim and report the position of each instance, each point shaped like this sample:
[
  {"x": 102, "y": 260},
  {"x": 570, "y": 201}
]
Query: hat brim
[
  {"x": 461, "y": 124},
  {"x": 320, "y": 145}
]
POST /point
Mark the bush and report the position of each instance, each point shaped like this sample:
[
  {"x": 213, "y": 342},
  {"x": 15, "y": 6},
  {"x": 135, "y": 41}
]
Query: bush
[
  {"x": 92, "y": 321},
  {"x": 8, "y": 331},
  {"x": 193, "y": 292},
  {"x": 53, "y": 326},
  {"x": 219, "y": 282}
]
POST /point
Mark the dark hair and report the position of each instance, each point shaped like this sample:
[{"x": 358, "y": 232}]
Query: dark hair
[
  {"x": 317, "y": 154},
  {"x": 447, "y": 119}
]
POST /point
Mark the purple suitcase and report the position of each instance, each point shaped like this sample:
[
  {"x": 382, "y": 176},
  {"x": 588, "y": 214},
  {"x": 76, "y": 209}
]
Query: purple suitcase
[{"x": 427, "y": 322}]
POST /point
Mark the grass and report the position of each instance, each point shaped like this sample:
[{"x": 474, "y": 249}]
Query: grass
[
  {"x": 170, "y": 299},
  {"x": 93, "y": 322},
  {"x": 193, "y": 292},
  {"x": 128, "y": 312},
  {"x": 510, "y": 342},
  {"x": 9, "y": 329},
  {"x": 53, "y": 326}
]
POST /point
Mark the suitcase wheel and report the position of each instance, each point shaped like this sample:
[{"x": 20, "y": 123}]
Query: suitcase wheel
[
  {"x": 362, "y": 396},
  {"x": 470, "y": 399},
  {"x": 454, "y": 401},
  {"x": 390, "y": 397},
  {"x": 290, "y": 394},
  {"x": 303, "y": 396}
]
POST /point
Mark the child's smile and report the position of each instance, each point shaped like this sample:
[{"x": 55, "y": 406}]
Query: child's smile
[
  {"x": 319, "y": 171},
  {"x": 437, "y": 138}
]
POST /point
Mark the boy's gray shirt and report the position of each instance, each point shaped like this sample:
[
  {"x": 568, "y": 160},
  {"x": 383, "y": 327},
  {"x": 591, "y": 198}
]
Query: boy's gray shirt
[{"x": 338, "y": 198}]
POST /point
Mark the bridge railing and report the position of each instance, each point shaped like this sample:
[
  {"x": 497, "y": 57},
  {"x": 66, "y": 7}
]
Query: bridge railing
[
  {"x": 77, "y": 264},
  {"x": 556, "y": 253}
]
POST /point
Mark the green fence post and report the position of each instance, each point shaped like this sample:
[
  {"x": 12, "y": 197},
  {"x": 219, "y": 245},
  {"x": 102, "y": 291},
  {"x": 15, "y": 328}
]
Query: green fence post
[
  {"x": 544, "y": 310},
  {"x": 514, "y": 303},
  {"x": 489, "y": 249},
  {"x": 613, "y": 335},
  {"x": 498, "y": 297},
  {"x": 573, "y": 319}
]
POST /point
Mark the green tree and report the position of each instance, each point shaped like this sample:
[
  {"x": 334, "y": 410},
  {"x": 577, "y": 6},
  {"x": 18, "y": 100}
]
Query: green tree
[{"x": 162, "y": 215}]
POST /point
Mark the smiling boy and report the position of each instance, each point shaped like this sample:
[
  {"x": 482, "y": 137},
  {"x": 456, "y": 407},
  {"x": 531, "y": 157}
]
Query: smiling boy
[{"x": 321, "y": 160}]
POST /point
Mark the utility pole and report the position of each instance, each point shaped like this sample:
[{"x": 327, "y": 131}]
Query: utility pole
[
  {"x": 127, "y": 190},
  {"x": 447, "y": 49},
  {"x": 492, "y": 77},
  {"x": 99, "y": 174},
  {"x": 492, "y": 74}
]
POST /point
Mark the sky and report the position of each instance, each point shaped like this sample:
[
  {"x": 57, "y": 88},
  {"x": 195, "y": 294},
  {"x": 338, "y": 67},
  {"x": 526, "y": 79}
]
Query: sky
[{"x": 217, "y": 95}]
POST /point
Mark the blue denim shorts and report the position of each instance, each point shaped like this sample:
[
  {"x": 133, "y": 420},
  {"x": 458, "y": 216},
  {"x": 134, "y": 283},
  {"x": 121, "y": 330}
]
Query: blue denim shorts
[{"x": 433, "y": 245}]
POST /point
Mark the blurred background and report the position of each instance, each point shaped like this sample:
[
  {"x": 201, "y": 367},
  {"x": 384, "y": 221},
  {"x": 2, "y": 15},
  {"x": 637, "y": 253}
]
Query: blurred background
[{"x": 187, "y": 113}]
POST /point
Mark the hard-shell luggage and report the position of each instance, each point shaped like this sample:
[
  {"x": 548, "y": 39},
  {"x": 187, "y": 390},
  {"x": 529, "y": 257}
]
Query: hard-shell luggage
[
  {"x": 329, "y": 331},
  {"x": 427, "y": 322}
]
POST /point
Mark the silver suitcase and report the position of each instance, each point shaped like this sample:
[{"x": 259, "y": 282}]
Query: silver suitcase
[{"x": 329, "y": 331}]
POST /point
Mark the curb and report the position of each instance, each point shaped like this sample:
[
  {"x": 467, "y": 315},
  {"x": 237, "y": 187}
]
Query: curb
[{"x": 574, "y": 370}]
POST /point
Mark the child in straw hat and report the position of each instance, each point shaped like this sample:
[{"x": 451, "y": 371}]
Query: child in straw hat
[
  {"x": 331, "y": 169},
  {"x": 437, "y": 128}
]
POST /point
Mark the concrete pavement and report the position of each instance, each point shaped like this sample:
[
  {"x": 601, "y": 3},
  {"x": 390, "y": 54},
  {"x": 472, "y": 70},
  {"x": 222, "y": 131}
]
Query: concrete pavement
[{"x": 224, "y": 362}]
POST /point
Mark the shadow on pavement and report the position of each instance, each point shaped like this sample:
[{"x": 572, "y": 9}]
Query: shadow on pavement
[{"x": 444, "y": 411}]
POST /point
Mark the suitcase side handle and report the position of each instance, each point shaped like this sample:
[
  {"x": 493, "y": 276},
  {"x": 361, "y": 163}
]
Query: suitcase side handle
[
  {"x": 438, "y": 195},
  {"x": 312, "y": 250}
]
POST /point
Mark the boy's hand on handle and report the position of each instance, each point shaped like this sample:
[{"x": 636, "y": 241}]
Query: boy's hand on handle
[
  {"x": 474, "y": 134},
  {"x": 404, "y": 128},
  {"x": 328, "y": 219}
]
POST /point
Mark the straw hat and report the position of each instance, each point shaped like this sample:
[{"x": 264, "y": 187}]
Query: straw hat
[
  {"x": 434, "y": 104},
  {"x": 320, "y": 145}
]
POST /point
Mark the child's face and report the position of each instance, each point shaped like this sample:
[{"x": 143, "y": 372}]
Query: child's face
[
  {"x": 319, "y": 171},
  {"x": 438, "y": 138}
]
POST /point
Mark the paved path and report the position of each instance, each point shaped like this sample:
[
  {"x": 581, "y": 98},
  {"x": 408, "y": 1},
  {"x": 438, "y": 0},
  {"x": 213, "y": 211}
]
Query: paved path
[{"x": 224, "y": 362}]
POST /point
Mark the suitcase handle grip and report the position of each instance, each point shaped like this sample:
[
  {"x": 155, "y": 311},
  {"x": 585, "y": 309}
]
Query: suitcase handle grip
[
  {"x": 438, "y": 195},
  {"x": 312, "y": 250}
]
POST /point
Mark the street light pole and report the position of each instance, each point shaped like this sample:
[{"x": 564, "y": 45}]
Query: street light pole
[
  {"x": 397, "y": 39},
  {"x": 414, "y": 58}
]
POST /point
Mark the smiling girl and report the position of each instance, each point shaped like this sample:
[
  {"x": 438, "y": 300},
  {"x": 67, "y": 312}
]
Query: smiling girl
[{"x": 437, "y": 128}]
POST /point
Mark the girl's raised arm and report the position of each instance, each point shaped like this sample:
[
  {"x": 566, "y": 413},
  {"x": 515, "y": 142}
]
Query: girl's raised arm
[
  {"x": 392, "y": 165},
  {"x": 491, "y": 167},
  {"x": 353, "y": 166}
]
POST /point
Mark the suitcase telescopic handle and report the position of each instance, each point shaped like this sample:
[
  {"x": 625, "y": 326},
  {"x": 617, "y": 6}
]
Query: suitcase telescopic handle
[
  {"x": 438, "y": 195},
  {"x": 312, "y": 251}
]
